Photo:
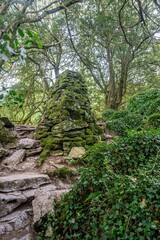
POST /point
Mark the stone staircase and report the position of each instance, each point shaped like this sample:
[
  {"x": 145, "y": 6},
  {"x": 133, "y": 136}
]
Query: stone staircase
[{"x": 26, "y": 191}]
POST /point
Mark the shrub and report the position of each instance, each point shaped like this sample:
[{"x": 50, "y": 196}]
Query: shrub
[
  {"x": 153, "y": 121},
  {"x": 117, "y": 196},
  {"x": 139, "y": 113}
]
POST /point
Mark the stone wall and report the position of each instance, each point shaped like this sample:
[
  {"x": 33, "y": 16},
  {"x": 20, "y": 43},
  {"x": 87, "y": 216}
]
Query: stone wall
[{"x": 68, "y": 121}]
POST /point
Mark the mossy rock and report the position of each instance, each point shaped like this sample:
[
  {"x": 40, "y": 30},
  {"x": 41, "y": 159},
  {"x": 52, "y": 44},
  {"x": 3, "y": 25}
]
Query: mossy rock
[
  {"x": 67, "y": 146},
  {"x": 75, "y": 139},
  {"x": 49, "y": 142},
  {"x": 91, "y": 139},
  {"x": 71, "y": 125},
  {"x": 74, "y": 134},
  {"x": 6, "y": 135}
]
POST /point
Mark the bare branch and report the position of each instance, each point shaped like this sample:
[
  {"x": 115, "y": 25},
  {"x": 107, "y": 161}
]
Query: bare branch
[
  {"x": 42, "y": 9},
  {"x": 52, "y": 11},
  {"x": 120, "y": 22}
]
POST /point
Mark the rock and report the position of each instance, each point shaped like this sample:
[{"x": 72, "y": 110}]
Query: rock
[
  {"x": 32, "y": 152},
  {"x": 43, "y": 202},
  {"x": 16, "y": 182},
  {"x": 7, "y": 122},
  {"x": 3, "y": 152},
  {"x": 67, "y": 117},
  {"x": 10, "y": 201},
  {"x": 5, "y": 228},
  {"x": 57, "y": 153},
  {"x": 27, "y": 143},
  {"x": 26, "y": 237},
  {"x": 14, "y": 159},
  {"x": 6, "y": 135},
  {"x": 76, "y": 152},
  {"x": 30, "y": 193},
  {"x": 15, "y": 221},
  {"x": 27, "y": 165}
]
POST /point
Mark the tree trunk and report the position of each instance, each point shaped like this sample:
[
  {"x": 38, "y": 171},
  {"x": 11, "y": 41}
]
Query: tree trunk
[
  {"x": 111, "y": 85},
  {"x": 122, "y": 82}
]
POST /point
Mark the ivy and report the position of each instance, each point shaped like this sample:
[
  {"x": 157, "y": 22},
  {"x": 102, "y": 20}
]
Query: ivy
[{"x": 117, "y": 196}]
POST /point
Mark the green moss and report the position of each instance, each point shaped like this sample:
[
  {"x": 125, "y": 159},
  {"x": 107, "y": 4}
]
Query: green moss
[
  {"x": 49, "y": 142},
  {"x": 75, "y": 139},
  {"x": 43, "y": 156},
  {"x": 62, "y": 173},
  {"x": 74, "y": 134},
  {"x": 42, "y": 135},
  {"x": 91, "y": 139}
]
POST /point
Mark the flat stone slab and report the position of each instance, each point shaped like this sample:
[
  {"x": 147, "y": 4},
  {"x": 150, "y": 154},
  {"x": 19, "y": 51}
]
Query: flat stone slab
[
  {"x": 15, "y": 221},
  {"x": 26, "y": 237},
  {"x": 22, "y": 181},
  {"x": 14, "y": 159},
  {"x": 28, "y": 143},
  {"x": 10, "y": 201}
]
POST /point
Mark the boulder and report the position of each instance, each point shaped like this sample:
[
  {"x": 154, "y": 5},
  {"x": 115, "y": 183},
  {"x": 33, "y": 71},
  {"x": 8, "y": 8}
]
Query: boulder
[
  {"x": 43, "y": 202},
  {"x": 76, "y": 152},
  {"x": 16, "y": 182},
  {"x": 14, "y": 159}
]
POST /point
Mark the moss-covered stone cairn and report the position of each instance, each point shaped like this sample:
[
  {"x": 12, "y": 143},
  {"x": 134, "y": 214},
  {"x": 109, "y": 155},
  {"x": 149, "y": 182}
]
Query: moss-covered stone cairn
[{"x": 68, "y": 121}]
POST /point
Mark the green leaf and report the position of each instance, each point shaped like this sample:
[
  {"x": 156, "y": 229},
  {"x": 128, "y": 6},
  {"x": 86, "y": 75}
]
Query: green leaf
[
  {"x": 35, "y": 36},
  {"x": 13, "y": 93},
  {"x": 20, "y": 31},
  {"x": 39, "y": 43},
  {"x": 29, "y": 43},
  {"x": 6, "y": 37},
  {"x": 29, "y": 33}
]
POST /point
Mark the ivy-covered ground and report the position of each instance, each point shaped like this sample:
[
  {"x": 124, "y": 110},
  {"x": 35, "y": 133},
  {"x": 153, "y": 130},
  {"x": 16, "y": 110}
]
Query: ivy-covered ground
[
  {"x": 141, "y": 112},
  {"x": 118, "y": 194}
]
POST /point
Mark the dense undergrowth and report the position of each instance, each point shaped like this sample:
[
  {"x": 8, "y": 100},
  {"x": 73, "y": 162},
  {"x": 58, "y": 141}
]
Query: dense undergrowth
[
  {"x": 116, "y": 197},
  {"x": 142, "y": 112}
]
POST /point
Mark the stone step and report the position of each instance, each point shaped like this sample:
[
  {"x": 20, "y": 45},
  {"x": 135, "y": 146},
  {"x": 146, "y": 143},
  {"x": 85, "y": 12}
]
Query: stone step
[
  {"x": 10, "y": 201},
  {"x": 15, "y": 221},
  {"x": 17, "y": 182}
]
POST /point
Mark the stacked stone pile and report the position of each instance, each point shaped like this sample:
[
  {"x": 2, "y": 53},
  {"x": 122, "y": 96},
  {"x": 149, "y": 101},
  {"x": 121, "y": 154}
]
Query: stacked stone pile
[{"x": 68, "y": 121}]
